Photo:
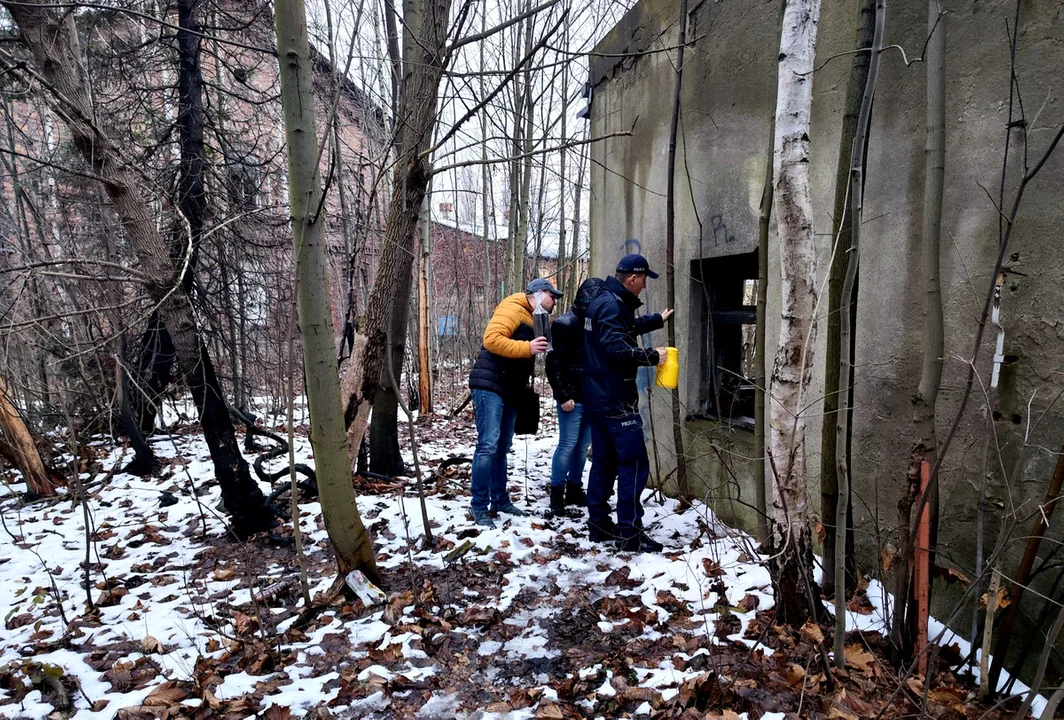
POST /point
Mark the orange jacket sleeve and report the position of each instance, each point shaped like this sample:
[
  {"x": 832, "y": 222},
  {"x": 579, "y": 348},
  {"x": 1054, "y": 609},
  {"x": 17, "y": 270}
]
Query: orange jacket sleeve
[{"x": 504, "y": 321}]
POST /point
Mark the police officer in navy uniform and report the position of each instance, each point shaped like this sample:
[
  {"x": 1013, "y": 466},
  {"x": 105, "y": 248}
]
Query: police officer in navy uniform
[{"x": 612, "y": 358}]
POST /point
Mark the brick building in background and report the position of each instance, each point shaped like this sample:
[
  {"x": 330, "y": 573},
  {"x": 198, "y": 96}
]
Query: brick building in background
[
  {"x": 244, "y": 267},
  {"x": 53, "y": 209}
]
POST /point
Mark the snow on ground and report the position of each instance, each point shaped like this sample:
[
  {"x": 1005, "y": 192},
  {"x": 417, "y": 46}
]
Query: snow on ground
[{"x": 482, "y": 623}]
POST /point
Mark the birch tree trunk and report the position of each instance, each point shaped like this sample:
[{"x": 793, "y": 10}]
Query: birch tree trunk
[
  {"x": 348, "y": 535},
  {"x": 796, "y": 593},
  {"x": 53, "y": 43}
]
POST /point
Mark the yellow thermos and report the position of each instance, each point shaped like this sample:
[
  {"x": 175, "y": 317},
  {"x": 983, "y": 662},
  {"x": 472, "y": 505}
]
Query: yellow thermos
[{"x": 668, "y": 375}]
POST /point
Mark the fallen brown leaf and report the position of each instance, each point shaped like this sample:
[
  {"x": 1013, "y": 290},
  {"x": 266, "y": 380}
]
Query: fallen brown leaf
[
  {"x": 550, "y": 712},
  {"x": 637, "y": 694},
  {"x": 112, "y": 597},
  {"x": 812, "y": 632},
  {"x": 245, "y": 624},
  {"x": 858, "y": 659},
  {"x": 950, "y": 696},
  {"x": 820, "y": 532},
  {"x": 18, "y": 621},
  {"x": 712, "y": 567},
  {"x": 951, "y": 575},
  {"x": 620, "y": 576},
  {"x": 225, "y": 573},
  {"x": 887, "y": 557},
  {"x": 850, "y": 705},
  {"x": 166, "y": 695},
  {"x": 211, "y": 699},
  {"x": 837, "y": 713},
  {"x": 860, "y": 604},
  {"x": 142, "y": 712},
  {"x": 795, "y": 675}
]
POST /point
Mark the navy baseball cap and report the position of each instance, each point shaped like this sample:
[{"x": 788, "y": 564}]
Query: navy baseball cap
[
  {"x": 543, "y": 285},
  {"x": 635, "y": 264}
]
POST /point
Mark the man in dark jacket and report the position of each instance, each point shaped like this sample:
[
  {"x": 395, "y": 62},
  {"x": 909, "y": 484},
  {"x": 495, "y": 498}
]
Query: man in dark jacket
[
  {"x": 501, "y": 371},
  {"x": 612, "y": 357},
  {"x": 565, "y": 369}
]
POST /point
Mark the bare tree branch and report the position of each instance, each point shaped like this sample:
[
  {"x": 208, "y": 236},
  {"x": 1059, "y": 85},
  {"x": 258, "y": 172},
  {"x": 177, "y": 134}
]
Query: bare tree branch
[
  {"x": 501, "y": 26},
  {"x": 543, "y": 151}
]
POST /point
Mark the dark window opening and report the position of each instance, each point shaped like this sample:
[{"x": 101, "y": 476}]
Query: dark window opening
[
  {"x": 724, "y": 289},
  {"x": 244, "y": 183}
]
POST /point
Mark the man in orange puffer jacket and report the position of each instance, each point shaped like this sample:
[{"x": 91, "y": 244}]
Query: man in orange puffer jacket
[{"x": 502, "y": 369}]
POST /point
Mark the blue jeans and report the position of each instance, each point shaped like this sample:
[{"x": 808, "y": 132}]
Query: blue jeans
[
  {"x": 619, "y": 453},
  {"x": 495, "y": 432},
  {"x": 574, "y": 436}
]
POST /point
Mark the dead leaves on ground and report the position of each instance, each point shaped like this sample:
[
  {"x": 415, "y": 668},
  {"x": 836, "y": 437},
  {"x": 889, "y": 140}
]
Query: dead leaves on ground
[
  {"x": 450, "y": 615},
  {"x": 163, "y": 702},
  {"x": 20, "y": 620},
  {"x": 126, "y": 676},
  {"x": 151, "y": 645},
  {"x": 812, "y": 632},
  {"x": 847, "y": 706},
  {"x": 867, "y": 688},
  {"x": 731, "y": 678},
  {"x": 857, "y": 658}
]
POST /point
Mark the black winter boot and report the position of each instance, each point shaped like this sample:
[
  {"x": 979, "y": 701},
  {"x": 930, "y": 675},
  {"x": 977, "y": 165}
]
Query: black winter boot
[
  {"x": 640, "y": 542},
  {"x": 575, "y": 495},
  {"x": 604, "y": 533},
  {"x": 557, "y": 500}
]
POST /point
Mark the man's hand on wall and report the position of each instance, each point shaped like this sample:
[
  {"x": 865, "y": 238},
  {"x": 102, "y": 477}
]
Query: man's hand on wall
[
  {"x": 667, "y": 314},
  {"x": 539, "y": 345}
]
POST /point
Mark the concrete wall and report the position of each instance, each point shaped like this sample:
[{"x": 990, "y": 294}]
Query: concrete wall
[{"x": 727, "y": 102}]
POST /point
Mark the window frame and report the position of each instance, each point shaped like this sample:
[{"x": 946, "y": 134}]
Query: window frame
[{"x": 718, "y": 285}]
